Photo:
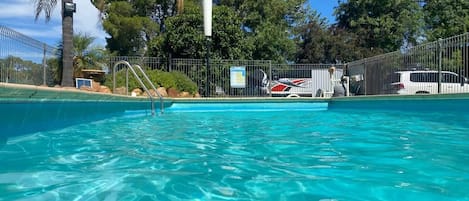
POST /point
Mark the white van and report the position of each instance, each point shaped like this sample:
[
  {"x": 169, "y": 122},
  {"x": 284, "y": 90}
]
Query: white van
[{"x": 426, "y": 82}]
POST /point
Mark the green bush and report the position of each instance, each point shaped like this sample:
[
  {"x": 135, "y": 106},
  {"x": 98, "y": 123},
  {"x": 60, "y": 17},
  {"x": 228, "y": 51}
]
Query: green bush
[
  {"x": 184, "y": 83},
  {"x": 162, "y": 78},
  {"x": 176, "y": 80},
  {"x": 120, "y": 80}
]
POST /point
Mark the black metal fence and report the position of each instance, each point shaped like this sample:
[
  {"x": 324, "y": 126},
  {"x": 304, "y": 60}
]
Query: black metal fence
[
  {"x": 436, "y": 67},
  {"x": 257, "y": 78},
  {"x": 24, "y": 60}
]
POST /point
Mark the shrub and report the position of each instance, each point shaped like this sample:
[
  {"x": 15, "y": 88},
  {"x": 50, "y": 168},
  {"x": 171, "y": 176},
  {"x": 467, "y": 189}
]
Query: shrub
[
  {"x": 120, "y": 80},
  {"x": 176, "y": 80},
  {"x": 183, "y": 83}
]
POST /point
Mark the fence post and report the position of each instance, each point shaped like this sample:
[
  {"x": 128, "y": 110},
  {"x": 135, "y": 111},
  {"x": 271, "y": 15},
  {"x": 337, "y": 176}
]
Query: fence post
[
  {"x": 207, "y": 74},
  {"x": 270, "y": 79},
  {"x": 170, "y": 62},
  {"x": 440, "y": 57},
  {"x": 364, "y": 77},
  {"x": 44, "y": 77},
  {"x": 113, "y": 70}
]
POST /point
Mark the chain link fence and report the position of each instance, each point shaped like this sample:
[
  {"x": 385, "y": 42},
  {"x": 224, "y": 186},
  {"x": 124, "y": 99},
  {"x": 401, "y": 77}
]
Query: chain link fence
[{"x": 24, "y": 60}]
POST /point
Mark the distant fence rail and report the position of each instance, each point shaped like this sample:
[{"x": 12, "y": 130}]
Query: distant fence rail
[
  {"x": 436, "y": 67},
  {"x": 24, "y": 60}
]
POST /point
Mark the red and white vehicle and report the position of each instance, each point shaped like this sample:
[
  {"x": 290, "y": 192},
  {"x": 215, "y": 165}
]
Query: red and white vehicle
[
  {"x": 292, "y": 87},
  {"x": 320, "y": 81}
]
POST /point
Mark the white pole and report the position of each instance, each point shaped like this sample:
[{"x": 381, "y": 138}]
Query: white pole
[{"x": 207, "y": 6}]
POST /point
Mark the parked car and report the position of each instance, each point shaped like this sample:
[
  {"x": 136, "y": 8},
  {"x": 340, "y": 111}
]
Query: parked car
[{"x": 426, "y": 82}]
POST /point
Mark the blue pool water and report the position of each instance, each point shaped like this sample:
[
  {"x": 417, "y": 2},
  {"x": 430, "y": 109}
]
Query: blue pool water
[{"x": 244, "y": 155}]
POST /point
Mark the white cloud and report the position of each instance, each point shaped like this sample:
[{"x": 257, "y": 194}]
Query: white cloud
[
  {"x": 20, "y": 9},
  {"x": 19, "y": 15},
  {"x": 86, "y": 20}
]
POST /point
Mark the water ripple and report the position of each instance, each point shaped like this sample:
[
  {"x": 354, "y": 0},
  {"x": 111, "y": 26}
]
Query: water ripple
[{"x": 241, "y": 156}]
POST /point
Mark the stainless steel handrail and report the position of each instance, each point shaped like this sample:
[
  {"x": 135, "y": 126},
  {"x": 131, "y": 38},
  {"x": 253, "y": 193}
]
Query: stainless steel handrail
[
  {"x": 140, "y": 82},
  {"x": 153, "y": 86}
]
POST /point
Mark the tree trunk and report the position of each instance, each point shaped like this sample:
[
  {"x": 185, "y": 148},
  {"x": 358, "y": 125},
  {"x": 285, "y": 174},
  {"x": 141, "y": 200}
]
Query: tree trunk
[
  {"x": 67, "y": 37},
  {"x": 180, "y": 6}
]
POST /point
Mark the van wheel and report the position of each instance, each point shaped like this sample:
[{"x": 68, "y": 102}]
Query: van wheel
[
  {"x": 293, "y": 96},
  {"x": 422, "y": 92}
]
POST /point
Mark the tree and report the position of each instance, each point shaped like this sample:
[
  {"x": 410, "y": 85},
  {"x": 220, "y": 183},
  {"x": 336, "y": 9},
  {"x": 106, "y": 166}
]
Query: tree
[
  {"x": 133, "y": 24},
  {"x": 228, "y": 39},
  {"x": 129, "y": 32},
  {"x": 268, "y": 25},
  {"x": 381, "y": 25},
  {"x": 184, "y": 36},
  {"x": 47, "y": 6},
  {"x": 312, "y": 38},
  {"x": 319, "y": 42},
  {"x": 344, "y": 46},
  {"x": 446, "y": 18},
  {"x": 85, "y": 56}
]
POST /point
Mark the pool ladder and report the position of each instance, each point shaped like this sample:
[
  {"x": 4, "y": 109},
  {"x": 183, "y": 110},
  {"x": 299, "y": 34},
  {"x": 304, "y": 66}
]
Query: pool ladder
[{"x": 140, "y": 81}]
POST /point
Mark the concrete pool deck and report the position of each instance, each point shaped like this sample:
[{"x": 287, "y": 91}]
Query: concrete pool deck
[
  {"x": 23, "y": 92},
  {"x": 29, "y": 93}
]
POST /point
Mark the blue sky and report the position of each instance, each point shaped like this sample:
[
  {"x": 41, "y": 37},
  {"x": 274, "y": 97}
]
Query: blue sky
[
  {"x": 325, "y": 8},
  {"x": 19, "y": 15}
]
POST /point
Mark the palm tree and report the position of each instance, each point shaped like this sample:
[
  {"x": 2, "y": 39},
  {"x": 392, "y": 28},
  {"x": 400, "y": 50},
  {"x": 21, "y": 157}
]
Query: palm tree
[
  {"x": 47, "y": 6},
  {"x": 87, "y": 56}
]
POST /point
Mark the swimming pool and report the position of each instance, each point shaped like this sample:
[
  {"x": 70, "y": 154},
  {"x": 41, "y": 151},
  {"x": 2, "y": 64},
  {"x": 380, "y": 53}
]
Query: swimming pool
[{"x": 332, "y": 153}]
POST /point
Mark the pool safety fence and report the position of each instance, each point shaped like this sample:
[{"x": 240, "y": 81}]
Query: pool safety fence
[
  {"x": 436, "y": 67},
  {"x": 248, "y": 78},
  {"x": 24, "y": 60}
]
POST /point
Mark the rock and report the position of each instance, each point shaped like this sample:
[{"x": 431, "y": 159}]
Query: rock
[
  {"x": 105, "y": 89},
  {"x": 121, "y": 91},
  {"x": 162, "y": 91},
  {"x": 86, "y": 88},
  {"x": 173, "y": 92},
  {"x": 96, "y": 86},
  {"x": 136, "y": 92},
  {"x": 185, "y": 94},
  {"x": 197, "y": 95},
  {"x": 152, "y": 92}
]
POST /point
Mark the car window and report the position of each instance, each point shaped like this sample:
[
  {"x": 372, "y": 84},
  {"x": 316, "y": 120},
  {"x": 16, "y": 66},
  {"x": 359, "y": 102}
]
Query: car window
[
  {"x": 424, "y": 77},
  {"x": 450, "y": 78},
  {"x": 416, "y": 77}
]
